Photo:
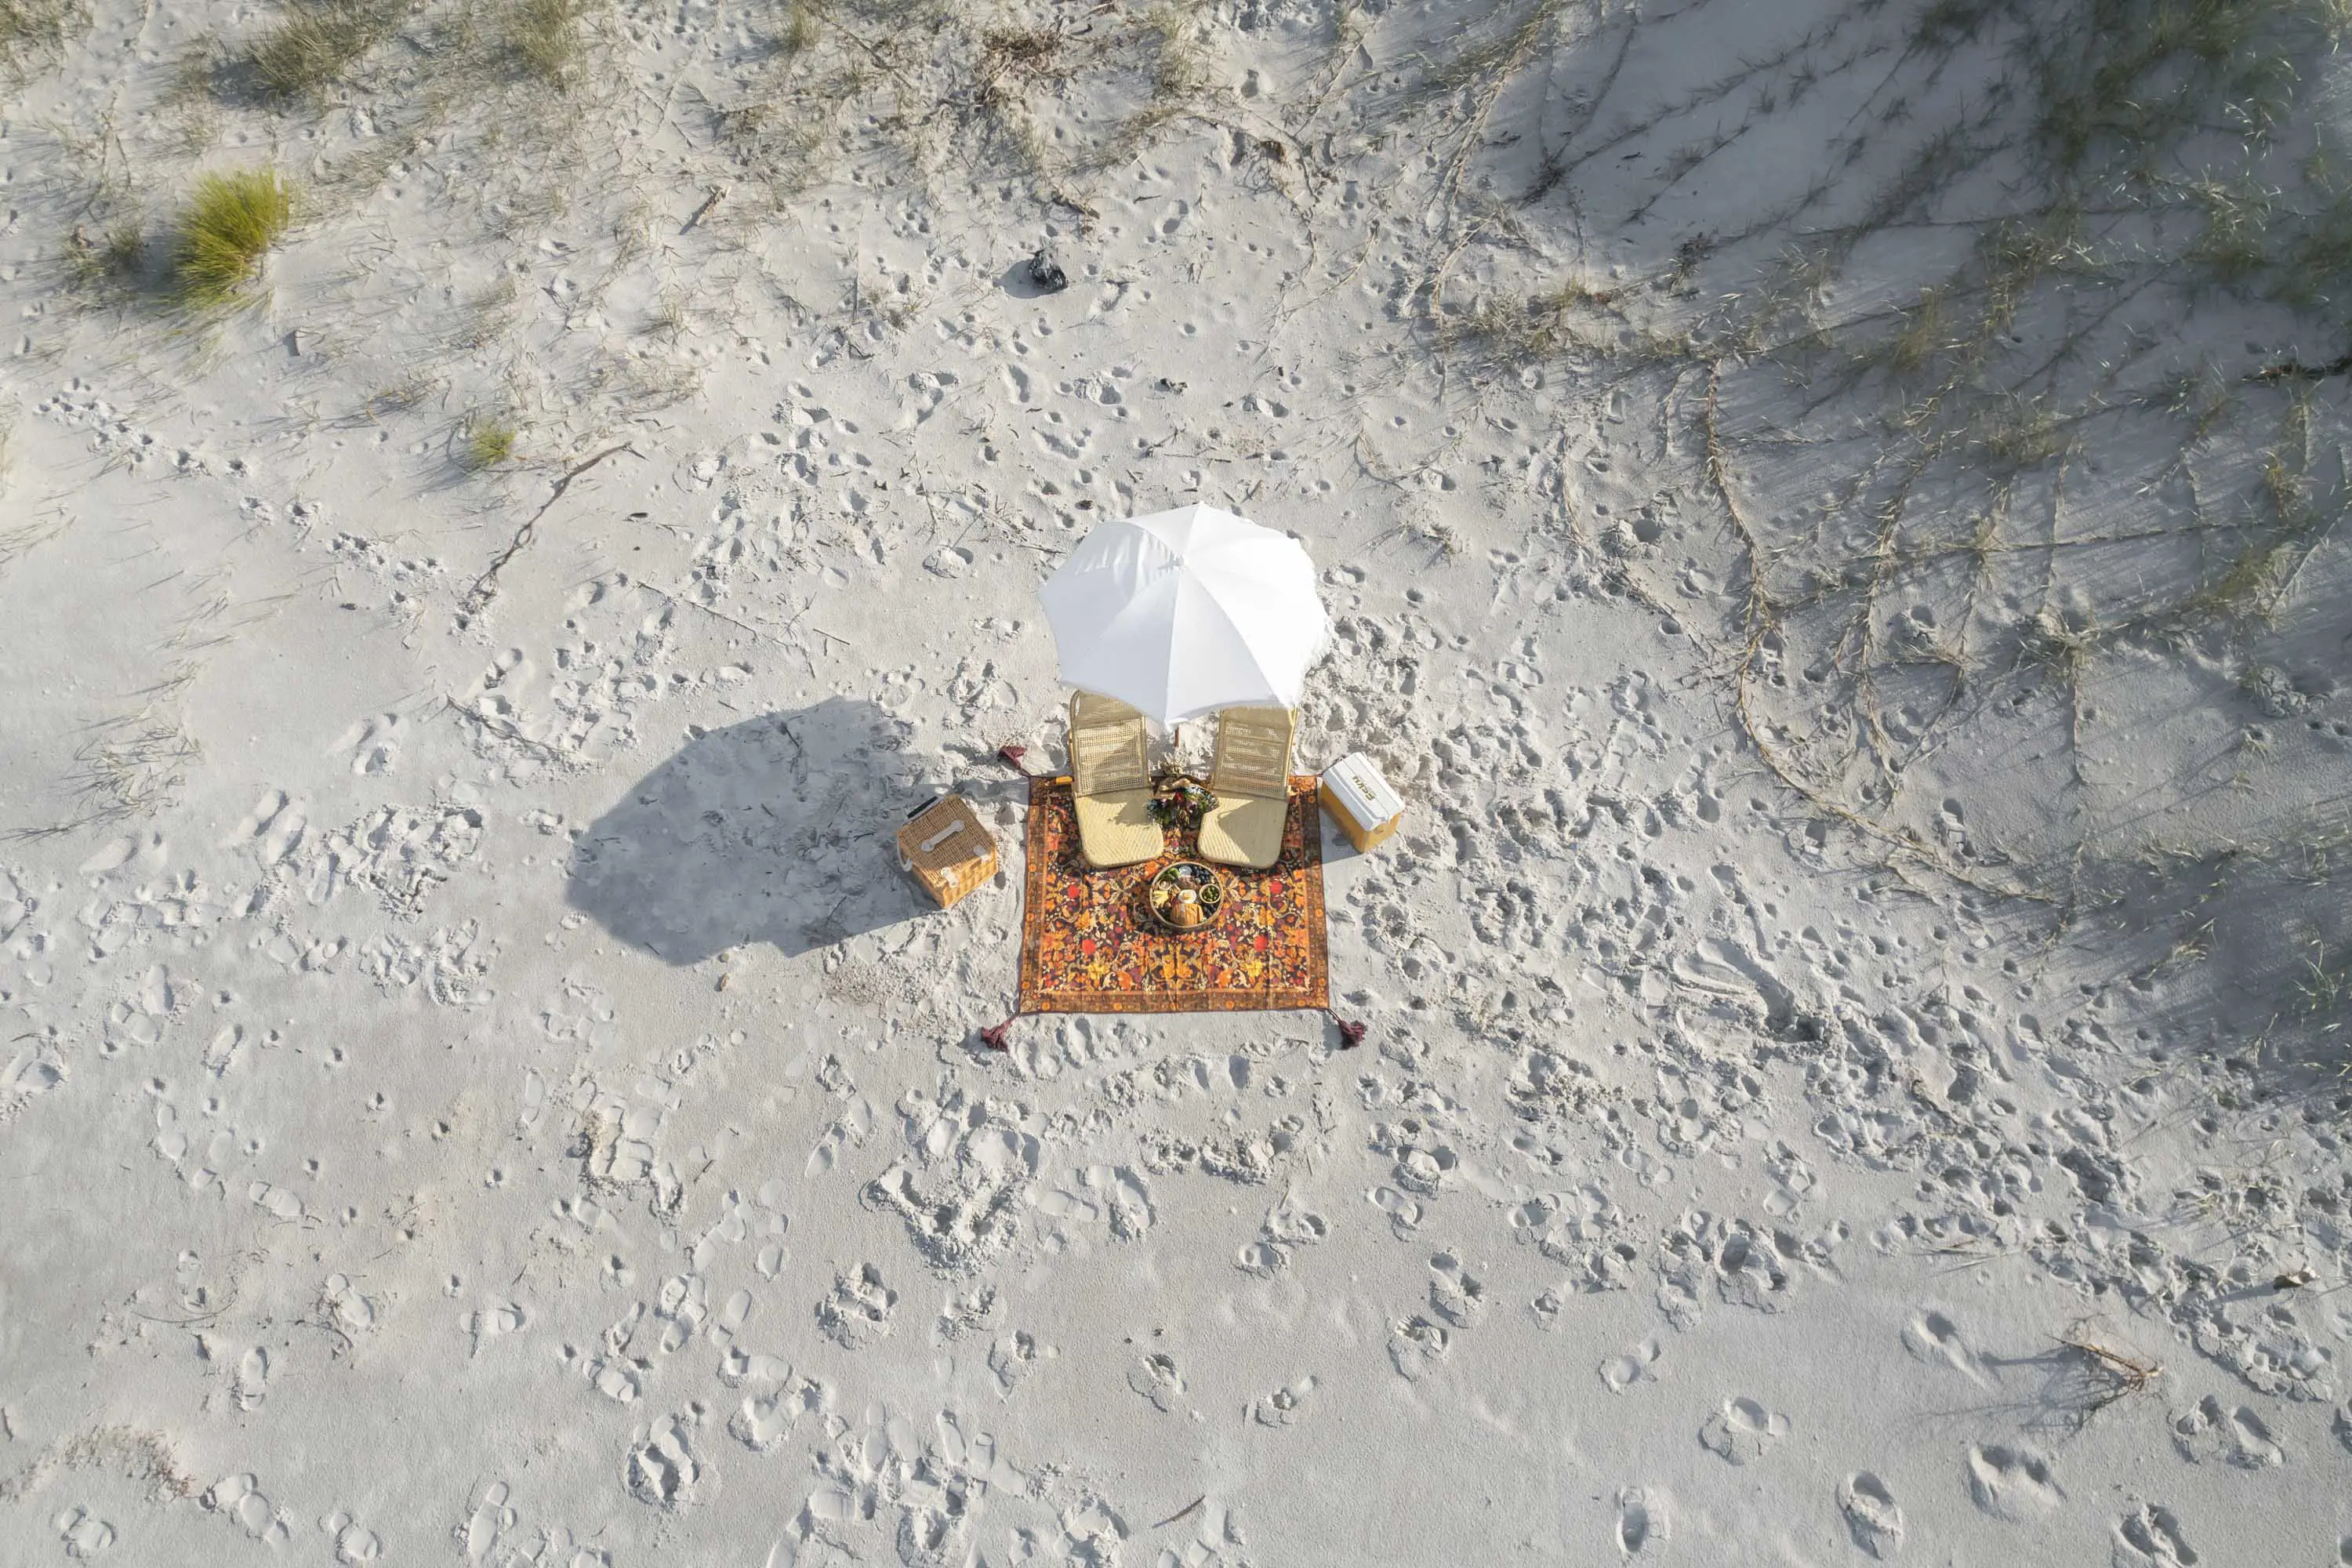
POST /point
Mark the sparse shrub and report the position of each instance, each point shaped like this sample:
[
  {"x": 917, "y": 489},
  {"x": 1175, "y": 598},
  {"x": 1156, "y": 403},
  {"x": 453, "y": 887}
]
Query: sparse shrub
[
  {"x": 2240, "y": 233},
  {"x": 1009, "y": 56},
  {"x": 1571, "y": 318},
  {"x": 34, "y": 26},
  {"x": 107, "y": 260},
  {"x": 317, "y": 43},
  {"x": 2057, "y": 642},
  {"x": 488, "y": 442},
  {"x": 399, "y": 396},
  {"x": 2012, "y": 435},
  {"x": 786, "y": 151},
  {"x": 1948, "y": 22},
  {"x": 190, "y": 100},
  {"x": 1923, "y": 334},
  {"x": 544, "y": 38},
  {"x": 799, "y": 33},
  {"x": 1180, "y": 66},
  {"x": 232, "y": 222},
  {"x": 2324, "y": 992}
]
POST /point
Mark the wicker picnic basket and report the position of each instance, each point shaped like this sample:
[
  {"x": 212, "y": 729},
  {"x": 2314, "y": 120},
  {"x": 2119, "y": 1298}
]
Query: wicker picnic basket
[{"x": 946, "y": 849}]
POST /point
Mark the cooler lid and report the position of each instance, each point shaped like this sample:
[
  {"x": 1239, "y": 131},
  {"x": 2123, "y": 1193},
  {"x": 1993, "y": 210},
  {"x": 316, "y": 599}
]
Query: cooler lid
[{"x": 1362, "y": 792}]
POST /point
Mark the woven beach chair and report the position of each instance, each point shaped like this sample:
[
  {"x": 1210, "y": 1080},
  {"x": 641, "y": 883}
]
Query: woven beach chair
[
  {"x": 1251, "y": 780},
  {"x": 1110, "y": 783}
]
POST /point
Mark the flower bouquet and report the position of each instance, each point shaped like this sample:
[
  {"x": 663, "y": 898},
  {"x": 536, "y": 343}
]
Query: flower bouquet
[{"x": 1180, "y": 802}]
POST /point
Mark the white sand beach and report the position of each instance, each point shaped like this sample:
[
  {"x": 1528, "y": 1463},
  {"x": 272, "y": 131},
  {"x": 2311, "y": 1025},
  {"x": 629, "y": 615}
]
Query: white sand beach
[{"x": 1831, "y": 514}]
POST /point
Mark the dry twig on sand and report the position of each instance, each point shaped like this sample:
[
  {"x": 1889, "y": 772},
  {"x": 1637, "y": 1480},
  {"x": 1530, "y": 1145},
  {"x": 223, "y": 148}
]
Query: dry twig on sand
[
  {"x": 1185, "y": 1512},
  {"x": 486, "y": 586},
  {"x": 2115, "y": 1375}
]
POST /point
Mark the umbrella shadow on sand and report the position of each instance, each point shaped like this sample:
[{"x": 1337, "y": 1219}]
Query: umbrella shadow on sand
[{"x": 777, "y": 830}]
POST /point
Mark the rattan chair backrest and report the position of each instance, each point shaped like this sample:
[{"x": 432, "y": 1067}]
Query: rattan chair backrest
[
  {"x": 1109, "y": 749},
  {"x": 1253, "y": 753}
]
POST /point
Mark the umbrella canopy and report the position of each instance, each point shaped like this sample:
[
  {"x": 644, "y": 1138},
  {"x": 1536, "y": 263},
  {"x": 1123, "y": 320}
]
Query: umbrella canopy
[{"x": 1185, "y": 611}]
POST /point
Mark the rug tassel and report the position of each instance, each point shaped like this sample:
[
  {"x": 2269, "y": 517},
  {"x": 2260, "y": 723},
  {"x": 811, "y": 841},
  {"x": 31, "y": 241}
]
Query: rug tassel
[
  {"x": 1351, "y": 1035},
  {"x": 993, "y": 1035},
  {"x": 1010, "y": 755}
]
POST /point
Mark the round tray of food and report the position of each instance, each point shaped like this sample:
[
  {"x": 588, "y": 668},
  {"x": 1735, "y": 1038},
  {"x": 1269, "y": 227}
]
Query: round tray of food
[{"x": 1185, "y": 896}]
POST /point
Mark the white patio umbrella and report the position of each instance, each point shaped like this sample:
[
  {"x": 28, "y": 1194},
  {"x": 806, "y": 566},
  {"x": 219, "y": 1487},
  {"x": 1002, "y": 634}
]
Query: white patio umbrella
[{"x": 1185, "y": 612}]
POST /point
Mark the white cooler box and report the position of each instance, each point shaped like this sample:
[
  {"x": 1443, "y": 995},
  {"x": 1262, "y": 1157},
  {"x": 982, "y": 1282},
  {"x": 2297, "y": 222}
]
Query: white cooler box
[{"x": 1354, "y": 793}]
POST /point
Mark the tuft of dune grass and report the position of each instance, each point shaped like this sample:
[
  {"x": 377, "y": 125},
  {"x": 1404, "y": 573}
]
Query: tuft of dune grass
[
  {"x": 318, "y": 41},
  {"x": 1013, "y": 56},
  {"x": 106, "y": 261},
  {"x": 544, "y": 37},
  {"x": 799, "y": 30},
  {"x": 487, "y": 443},
  {"x": 33, "y": 27},
  {"x": 231, "y": 223}
]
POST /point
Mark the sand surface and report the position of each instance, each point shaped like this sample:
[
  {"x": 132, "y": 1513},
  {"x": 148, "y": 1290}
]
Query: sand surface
[{"x": 1832, "y": 561}]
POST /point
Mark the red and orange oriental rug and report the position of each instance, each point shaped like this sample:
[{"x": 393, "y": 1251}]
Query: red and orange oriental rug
[{"x": 1087, "y": 945}]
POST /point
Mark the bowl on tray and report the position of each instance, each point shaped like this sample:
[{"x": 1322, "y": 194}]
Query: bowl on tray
[{"x": 1184, "y": 897}]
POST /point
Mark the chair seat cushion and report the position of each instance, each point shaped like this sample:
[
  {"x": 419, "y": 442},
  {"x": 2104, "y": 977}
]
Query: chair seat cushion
[
  {"x": 1243, "y": 831},
  {"x": 1117, "y": 829}
]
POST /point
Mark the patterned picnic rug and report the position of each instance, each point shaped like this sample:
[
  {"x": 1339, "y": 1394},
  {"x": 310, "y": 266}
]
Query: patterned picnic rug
[{"x": 1088, "y": 946}]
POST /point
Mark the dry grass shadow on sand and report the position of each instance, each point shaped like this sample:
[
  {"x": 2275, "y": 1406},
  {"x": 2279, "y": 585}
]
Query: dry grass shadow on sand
[{"x": 1993, "y": 532}]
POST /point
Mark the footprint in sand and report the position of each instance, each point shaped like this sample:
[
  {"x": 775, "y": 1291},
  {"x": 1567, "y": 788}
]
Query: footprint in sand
[
  {"x": 373, "y": 746},
  {"x": 28, "y": 1070},
  {"x": 1457, "y": 1295},
  {"x": 2011, "y": 1483},
  {"x": 1933, "y": 1337},
  {"x": 353, "y": 1543},
  {"x": 1636, "y": 1364},
  {"x": 240, "y": 1497},
  {"x": 259, "y": 821},
  {"x": 661, "y": 1468},
  {"x": 1403, "y": 1213},
  {"x": 1415, "y": 1346},
  {"x": 1871, "y": 1514},
  {"x": 733, "y": 1313},
  {"x": 1285, "y": 1405},
  {"x": 83, "y": 1532},
  {"x": 2210, "y": 1432},
  {"x": 1155, "y": 1378},
  {"x": 251, "y": 1382},
  {"x": 2150, "y": 1536},
  {"x": 1011, "y": 1358},
  {"x": 774, "y": 1405},
  {"x": 1642, "y": 1527},
  {"x": 497, "y": 1319},
  {"x": 488, "y": 1518},
  {"x": 1742, "y": 1431},
  {"x": 858, "y": 1311}
]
